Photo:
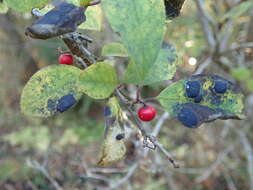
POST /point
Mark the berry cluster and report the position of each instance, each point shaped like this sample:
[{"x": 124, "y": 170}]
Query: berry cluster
[{"x": 193, "y": 89}]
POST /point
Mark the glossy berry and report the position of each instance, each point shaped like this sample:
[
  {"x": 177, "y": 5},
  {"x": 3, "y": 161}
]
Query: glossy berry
[
  {"x": 66, "y": 59},
  {"x": 120, "y": 136},
  {"x": 198, "y": 99},
  {"x": 147, "y": 113},
  {"x": 188, "y": 117},
  {"x": 220, "y": 86},
  {"x": 65, "y": 103},
  {"x": 192, "y": 89}
]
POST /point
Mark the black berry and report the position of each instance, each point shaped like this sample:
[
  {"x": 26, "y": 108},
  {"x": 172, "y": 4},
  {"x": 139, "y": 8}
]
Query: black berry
[
  {"x": 188, "y": 117},
  {"x": 192, "y": 89},
  {"x": 120, "y": 136},
  {"x": 220, "y": 86},
  {"x": 65, "y": 102}
]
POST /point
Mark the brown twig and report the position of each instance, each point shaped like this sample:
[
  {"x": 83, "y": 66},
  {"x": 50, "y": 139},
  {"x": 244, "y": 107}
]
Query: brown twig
[{"x": 40, "y": 167}]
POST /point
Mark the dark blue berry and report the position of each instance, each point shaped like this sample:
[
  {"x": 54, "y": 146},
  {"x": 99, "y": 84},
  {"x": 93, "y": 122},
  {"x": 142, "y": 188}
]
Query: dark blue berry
[
  {"x": 192, "y": 89},
  {"x": 65, "y": 102},
  {"x": 120, "y": 136},
  {"x": 220, "y": 86},
  {"x": 198, "y": 98},
  {"x": 188, "y": 117}
]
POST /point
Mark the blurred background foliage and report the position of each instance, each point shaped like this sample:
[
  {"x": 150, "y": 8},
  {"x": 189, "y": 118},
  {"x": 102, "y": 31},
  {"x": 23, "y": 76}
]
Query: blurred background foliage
[{"x": 211, "y": 157}]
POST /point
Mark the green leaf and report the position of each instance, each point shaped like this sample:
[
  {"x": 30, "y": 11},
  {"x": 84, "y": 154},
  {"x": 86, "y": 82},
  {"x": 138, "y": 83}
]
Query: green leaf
[
  {"x": 26, "y": 5},
  {"x": 3, "y": 8},
  {"x": 249, "y": 84},
  {"x": 84, "y": 2},
  {"x": 241, "y": 73},
  {"x": 114, "y": 49},
  {"x": 43, "y": 92},
  {"x": 141, "y": 25},
  {"x": 113, "y": 149},
  {"x": 93, "y": 18},
  {"x": 163, "y": 68},
  {"x": 98, "y": 80},
  {"x": 238, "y": 10},
  {"x": 212, "y": 106}
]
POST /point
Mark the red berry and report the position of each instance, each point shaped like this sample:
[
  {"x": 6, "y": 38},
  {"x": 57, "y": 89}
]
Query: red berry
[
  {"x": 147, "y": 113},
  {"x": 66, "y": 59}
]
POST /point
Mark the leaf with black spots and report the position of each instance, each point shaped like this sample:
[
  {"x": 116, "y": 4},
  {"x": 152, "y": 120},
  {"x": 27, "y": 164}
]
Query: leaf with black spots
[
  {"x": 202, "y": 98},
  {"x": 50, "y": 90},
  {"x": 113, "y": 148}
]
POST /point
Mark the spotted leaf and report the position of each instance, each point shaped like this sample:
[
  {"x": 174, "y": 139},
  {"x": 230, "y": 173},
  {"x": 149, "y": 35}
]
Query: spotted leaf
[
  {"x": 113, "y": 148},
  {"x": 50, "y": 90},
  {"x": 202, "y": 98}
]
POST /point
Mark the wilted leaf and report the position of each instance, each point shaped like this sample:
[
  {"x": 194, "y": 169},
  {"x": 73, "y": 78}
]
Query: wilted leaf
[
  {"x": 98, "y": 80},
  {"x": 141, "y": 25},
  {"x": 202, "y": 98},
  {"x": 113, "y": 148},
  {"x": 93, "y": 18},
  {"x": 163, "y": 68},
  {"x": 50, "y": 90},
  {"x": 114, "y": 49},
  {"x": 26, "y": 5}
]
